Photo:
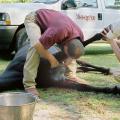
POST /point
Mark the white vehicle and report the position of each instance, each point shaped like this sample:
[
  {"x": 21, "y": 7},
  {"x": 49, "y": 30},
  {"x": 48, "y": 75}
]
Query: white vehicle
[{"x": 90, "y": 15}]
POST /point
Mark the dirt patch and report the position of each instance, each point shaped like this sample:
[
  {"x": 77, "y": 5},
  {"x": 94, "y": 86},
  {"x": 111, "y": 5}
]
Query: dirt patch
[
  {"x": 52, "y": 111},
  {"x": 49, "y": 111}
]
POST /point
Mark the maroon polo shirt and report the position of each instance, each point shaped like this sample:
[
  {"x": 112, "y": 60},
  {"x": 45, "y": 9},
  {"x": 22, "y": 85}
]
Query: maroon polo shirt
[{"x": 56, "y": 28}]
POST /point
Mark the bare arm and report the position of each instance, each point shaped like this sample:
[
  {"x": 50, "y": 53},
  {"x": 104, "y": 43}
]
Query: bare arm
[
  {"x": 46, "y": 54},
  {"x": 110, "y": 37},
  {"x": 118, "y": 43},
  {"x": 115, "y": 46}
]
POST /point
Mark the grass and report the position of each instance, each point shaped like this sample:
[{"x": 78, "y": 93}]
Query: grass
[{"x": 73, "y": 105}]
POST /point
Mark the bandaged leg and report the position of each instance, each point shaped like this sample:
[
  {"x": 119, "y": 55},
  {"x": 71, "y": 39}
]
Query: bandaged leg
[{"x": 71, "y": 70}]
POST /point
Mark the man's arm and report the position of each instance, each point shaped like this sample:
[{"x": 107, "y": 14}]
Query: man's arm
[
  {"x": 46, "y": 54},
  {"x": 47, "y": 40},
  {"x": 118, "y": 42}
]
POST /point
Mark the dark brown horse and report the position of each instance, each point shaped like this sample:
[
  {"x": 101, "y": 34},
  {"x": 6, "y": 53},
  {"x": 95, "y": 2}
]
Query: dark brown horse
[{"x": 13, "y": 75}]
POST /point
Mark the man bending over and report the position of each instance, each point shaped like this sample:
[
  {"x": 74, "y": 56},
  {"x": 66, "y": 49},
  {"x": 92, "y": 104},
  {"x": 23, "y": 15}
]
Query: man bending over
[{"x": 44, "y": 29}]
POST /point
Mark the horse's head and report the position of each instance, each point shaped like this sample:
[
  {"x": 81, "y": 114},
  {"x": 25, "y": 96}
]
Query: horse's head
[{"x": 57, "y": 73}]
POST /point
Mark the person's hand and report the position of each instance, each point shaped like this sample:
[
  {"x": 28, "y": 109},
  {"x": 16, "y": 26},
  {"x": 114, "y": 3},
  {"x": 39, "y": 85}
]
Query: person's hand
[
  {"x": 107, "y": 34},
  {"x": 105, "y": 38}
]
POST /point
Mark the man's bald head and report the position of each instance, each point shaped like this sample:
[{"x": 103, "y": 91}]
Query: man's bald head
[{"x": 75, "y": 48}]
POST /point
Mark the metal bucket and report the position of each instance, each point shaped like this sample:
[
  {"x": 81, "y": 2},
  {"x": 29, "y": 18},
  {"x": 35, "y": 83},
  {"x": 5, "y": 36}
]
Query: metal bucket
[{"x": 17, "y": 106}]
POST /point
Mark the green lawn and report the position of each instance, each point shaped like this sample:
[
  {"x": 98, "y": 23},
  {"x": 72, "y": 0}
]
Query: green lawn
[{"x": 72, "y": 105}]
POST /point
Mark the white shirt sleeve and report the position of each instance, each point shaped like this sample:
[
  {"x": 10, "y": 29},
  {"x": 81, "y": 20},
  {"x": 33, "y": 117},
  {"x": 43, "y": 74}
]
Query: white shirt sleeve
[{"x": 114, "y": 30}]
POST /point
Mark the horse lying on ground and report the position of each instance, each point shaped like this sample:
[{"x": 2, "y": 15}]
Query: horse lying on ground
[{"x": 13, "y": 75}]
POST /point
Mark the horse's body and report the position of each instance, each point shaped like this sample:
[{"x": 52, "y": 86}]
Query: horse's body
[{"x": 13, "y": 75}]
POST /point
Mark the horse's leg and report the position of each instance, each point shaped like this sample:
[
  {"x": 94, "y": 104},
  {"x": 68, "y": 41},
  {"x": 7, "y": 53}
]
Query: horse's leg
[
  {"x": 86, "y": 69},
  {"x": 70, "y": 84},
  {"x": 89, "y": 67}
]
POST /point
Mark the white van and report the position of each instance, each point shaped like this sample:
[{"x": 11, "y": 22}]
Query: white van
[
  {"x": 90, "y": 15},
  {"x": 93, "y": 15}
]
